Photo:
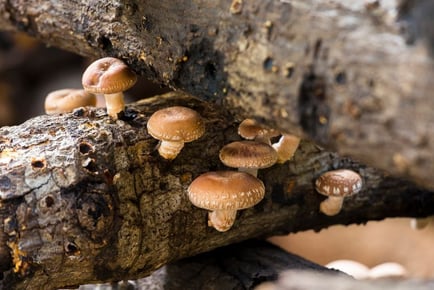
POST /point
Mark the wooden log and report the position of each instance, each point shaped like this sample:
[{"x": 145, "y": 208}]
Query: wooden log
[
  {"x": 342, "y": 74},
  {"x": 87, "y": 199}
]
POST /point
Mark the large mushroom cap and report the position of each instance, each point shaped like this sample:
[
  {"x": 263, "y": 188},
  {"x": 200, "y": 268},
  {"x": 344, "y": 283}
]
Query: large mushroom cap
[
  {"x": 248, "y": 154},
  {"x": 66, "y": 100},
  {"x": 176, "y": 124},
  {"x": 108, "y": 75},
  {"x": 250, "y": 129},
  {"x": 341, "y": 182},
  {"x": 226, "y": 190}
]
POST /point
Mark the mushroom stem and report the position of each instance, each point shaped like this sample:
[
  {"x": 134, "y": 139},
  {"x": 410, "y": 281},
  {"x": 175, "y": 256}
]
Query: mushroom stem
[
  {"x": 263, "y": 139},
  {"x": 251, "y": 171},
  {"x": 222, "y": 220},
  {"x": 286, "y": 147},
  {"x": 420, "y": 223},
  {"x": 170, "y": 149},
  {"x": 332, "y": 205},
  {"x": 115, "y": 104}
]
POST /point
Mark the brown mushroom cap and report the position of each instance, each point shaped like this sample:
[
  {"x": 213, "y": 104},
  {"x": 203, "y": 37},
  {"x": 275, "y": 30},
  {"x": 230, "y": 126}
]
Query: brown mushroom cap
[
  {"x": 66, "y": 100},
  {"x": 248, "y": 154},
  {"x": 226, "y": 190},
  {"x": 340, "y": 183},
  {"x": 250, "y": 129},
  {"x": 108, "y": 75},
  {"x": 176, "y": 124}
]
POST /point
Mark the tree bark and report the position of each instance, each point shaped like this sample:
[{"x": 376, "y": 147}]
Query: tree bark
[
  {"x": 341, "y": 74},
  {"x": 87, "y": 199}
]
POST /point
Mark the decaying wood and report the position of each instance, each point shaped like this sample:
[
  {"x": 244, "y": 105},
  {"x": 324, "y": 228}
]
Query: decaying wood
[
  {"x": 341, "y": 72},
  {"x": 87, "y": 199}
]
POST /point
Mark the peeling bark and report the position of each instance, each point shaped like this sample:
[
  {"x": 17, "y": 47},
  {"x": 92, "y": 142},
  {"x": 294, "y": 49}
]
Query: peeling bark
[
  {"x": 343, "y": 74},
  {"x": 87, "y": 199}
]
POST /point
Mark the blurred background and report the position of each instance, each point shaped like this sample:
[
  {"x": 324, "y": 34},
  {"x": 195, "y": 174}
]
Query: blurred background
[
  {"x": 29, "y": 71},
  {"x": 390, "y": 240}
]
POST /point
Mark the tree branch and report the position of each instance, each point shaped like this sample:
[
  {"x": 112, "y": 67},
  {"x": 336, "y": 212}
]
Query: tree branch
[
  {"x": 343, "y": 74},
  {"x": 87, "y": 199}
]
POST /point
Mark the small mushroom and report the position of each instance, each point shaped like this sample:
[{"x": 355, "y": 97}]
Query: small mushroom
[
  {"x": 175, "y": 126},
  {"x": 286, "y": 147},
  {"x": 337, "y": 184},
  {"x": 109, "y": 76},
  {"x": 388, "y": 270},
  {"x": 66, "y": 100},
  {"x": 223, "y": 193},
  {"x": 353, "y": 268},
  {"x": 248, "y": 156},
  {"x": 251, "y": 130}
]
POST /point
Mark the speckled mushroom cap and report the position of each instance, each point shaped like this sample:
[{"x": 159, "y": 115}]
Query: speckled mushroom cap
[
  {"x": 248, "y": 154},
  {"x": 176, "y": 124},
  {"x": 226, "y": 190},
  {"x": 250, "y": 129},
  {"x": 108, "y": 75},
  {"x": 341, "y": 182},
  {"x": 66, "y": 100}
]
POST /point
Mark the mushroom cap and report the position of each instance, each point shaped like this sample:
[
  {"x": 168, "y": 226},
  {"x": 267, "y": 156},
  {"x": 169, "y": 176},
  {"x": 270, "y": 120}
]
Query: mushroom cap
[
  {"x": 176, "y": 124},
  {"x": 341, "y": 182},
  {"x": 66, "y": 100},
  {"x": 108, "y": 75},
  {"x": 226, "y": 190},
  {"x": 248, "y": 154},
  {"x": 250, "y": 129}
]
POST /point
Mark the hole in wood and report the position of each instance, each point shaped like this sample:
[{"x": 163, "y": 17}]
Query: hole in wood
[
  {"x": 49, "y": 201},
  {"x": 91, "y": 166},
  {"x": 38, "y": 163},
  {"x": 85, "y": 148}
]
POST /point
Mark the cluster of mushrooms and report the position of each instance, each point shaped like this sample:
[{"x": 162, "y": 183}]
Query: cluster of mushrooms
[{"x": 223, "y": 193}]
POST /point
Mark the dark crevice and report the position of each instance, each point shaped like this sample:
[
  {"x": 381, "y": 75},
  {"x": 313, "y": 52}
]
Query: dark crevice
[{"x": 314, "y": 110}]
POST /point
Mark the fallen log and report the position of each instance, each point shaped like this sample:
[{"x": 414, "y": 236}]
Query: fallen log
[
  {"x": 343, "y": 74},
  {"x": 86, "y": 199}
]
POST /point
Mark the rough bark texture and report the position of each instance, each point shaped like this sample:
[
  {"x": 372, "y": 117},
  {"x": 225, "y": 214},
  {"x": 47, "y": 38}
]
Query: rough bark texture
[
  {"x": 341, "y": 72},
  {"x": 86, "y": 199}
]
